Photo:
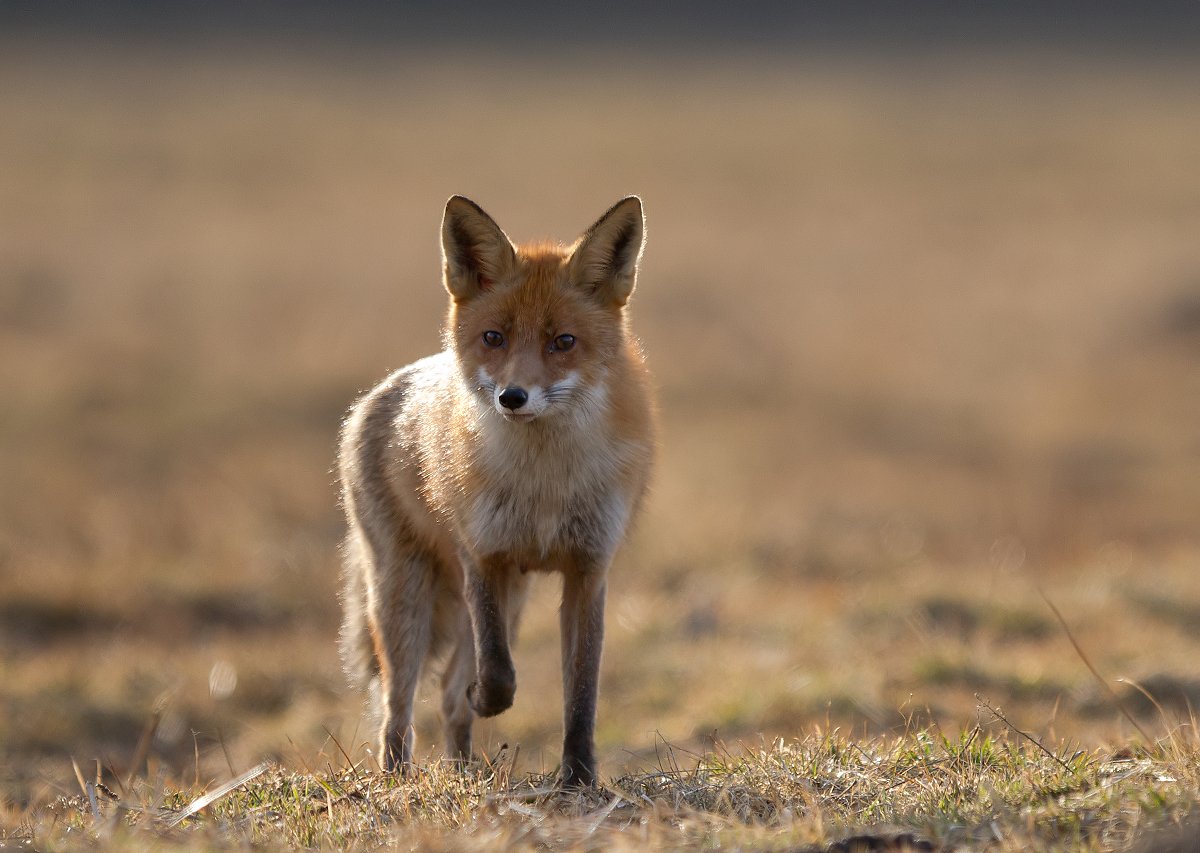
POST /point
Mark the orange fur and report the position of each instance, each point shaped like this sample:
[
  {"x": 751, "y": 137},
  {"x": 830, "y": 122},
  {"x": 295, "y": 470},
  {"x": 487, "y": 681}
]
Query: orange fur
[{"x": 524, "y": 446}]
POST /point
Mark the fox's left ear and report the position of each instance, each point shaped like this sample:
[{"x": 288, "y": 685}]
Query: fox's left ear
[{"x": 605, "y": 260}]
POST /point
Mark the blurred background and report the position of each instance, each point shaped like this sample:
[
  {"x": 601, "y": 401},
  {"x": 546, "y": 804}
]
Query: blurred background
[{"x": 921, "y": 293}]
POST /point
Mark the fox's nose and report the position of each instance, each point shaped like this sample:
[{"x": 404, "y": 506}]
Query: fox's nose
[{"x": 513, "y": 397}]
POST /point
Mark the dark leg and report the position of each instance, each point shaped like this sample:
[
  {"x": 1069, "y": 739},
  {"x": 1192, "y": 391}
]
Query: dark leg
[
  {"x": 582, "y": 622},
  {"x": 490, "y": 596}
]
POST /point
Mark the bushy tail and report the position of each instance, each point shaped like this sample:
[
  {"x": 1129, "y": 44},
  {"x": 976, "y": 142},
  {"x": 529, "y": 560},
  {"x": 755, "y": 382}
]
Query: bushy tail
[{"x": 358, "y": 658}]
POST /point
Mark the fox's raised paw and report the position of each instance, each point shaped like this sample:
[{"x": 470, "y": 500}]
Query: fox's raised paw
[{"x": 492, "y": 697}]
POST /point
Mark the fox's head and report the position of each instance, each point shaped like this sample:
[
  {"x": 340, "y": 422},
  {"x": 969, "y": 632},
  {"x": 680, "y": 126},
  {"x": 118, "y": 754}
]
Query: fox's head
[{"x": 537, "y": 328}]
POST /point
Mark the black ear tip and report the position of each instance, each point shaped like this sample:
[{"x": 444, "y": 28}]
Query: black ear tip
[
  {"x": 630, "y": 208},
  {"x": 462, "y": 204}
]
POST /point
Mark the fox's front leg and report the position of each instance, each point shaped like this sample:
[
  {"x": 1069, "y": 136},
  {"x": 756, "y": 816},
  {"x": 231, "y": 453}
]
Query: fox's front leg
[
  {"x": 582, "y": 625},
  {"x": 493, "y": 598}
]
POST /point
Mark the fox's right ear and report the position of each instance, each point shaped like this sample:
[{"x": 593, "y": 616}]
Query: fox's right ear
[{"x": 475, "y": 252}]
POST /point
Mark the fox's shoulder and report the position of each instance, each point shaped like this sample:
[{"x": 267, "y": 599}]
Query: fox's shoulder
[
  {"x": 432, "y": 373},
  {"x": 417, "y": 390}
]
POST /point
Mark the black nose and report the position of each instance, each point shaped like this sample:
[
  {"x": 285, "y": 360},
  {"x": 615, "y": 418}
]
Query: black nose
[{"x": 513, "y": 397}]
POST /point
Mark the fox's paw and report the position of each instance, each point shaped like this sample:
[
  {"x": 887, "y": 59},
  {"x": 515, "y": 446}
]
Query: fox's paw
[
  {"x": 397, "y": 755},
  {"x": 492, "y": 696},
  {"x": 576, "y": 772}
]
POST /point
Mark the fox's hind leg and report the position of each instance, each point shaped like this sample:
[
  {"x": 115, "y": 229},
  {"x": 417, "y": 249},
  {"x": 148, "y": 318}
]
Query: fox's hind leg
[
  {"x": 399, "y": 616},
  {"x": 457, "y": 715}
]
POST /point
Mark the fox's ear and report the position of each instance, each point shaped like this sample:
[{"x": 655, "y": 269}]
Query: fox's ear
[
  {"x": 475, "y": 252},
  {"x": 605, "y": 260}
]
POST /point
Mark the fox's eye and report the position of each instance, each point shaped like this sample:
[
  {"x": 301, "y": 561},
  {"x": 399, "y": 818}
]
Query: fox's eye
[
  {"x": 493, "y": 338},
  {"x": 563, "y": 343}
]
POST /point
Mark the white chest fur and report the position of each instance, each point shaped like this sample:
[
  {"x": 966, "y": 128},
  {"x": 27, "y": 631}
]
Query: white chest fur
[{"x": 549, "y": 487}]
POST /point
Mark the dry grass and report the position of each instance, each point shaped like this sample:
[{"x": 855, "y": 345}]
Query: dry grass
[
  {"x": 922, "y": 791},
  {"x": 927, "y": 338}
]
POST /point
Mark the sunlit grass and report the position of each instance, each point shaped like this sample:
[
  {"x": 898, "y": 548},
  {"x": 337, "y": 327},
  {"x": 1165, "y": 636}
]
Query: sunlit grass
[{"x": 923, "y": 790}]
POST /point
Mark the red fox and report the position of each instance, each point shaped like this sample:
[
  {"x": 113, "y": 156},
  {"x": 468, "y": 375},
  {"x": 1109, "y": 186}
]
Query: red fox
[{"x": 525, "y": 446}]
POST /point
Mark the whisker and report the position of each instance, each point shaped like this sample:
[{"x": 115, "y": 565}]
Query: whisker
[{"x": 558, "y": 393}]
